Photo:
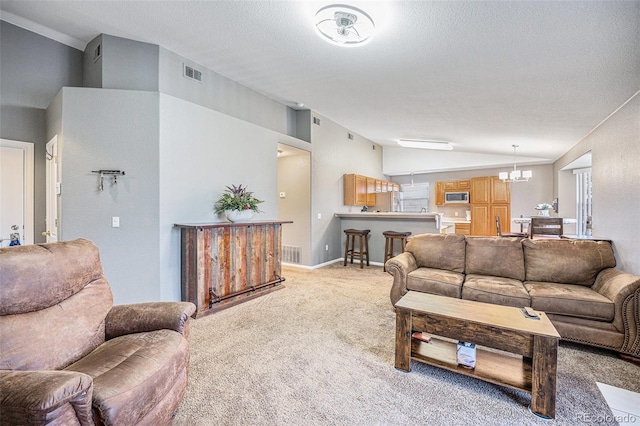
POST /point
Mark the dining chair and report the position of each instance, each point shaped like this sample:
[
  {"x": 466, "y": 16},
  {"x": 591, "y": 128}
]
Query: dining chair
[
  {"x": 509, "y": 234},
  {"x": 546, "y": 227}
]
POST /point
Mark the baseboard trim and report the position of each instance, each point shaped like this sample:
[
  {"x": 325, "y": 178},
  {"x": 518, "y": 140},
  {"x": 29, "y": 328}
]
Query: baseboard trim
[{"x": 322, "y": 265}]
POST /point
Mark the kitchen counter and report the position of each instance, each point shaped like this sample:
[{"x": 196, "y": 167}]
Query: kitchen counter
[
  {"x": 388, "y": 215},
  {"x": 454, "y": 220},
  {"x": 378, "y": 222}
]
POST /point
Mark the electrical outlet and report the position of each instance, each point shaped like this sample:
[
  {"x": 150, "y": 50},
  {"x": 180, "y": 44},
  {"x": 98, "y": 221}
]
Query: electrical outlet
[
  {"x": 456, "y": 214},
  {"x": 283, "y": 195},
  {"x": 326, "y": 247},
  {"x": 319, "y": 215},
  {"x": 115, "y": 222}
]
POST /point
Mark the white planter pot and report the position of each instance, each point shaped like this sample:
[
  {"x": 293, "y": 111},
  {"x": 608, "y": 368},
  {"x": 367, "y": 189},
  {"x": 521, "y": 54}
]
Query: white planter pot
[
  {"x": 543, "y": 213},
  {"x": 239, "y": 215}
]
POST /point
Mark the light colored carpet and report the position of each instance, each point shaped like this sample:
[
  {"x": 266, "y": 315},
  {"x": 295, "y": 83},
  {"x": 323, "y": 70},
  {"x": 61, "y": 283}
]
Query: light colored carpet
[{"x": 321, "y": 352}]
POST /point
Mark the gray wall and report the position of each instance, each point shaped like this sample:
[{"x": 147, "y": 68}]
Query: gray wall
[
  {"x": 221, "y": 94},
  {"x": 615, "y": 150},
  {"x": 113, "y": 129},
  {"x": 524, "y": 195},
  {"x": 333, "y": 155},
  {"x": 124, "y": 64},
  {"x": 201, "y": 152},
  {"x": 33, "y": 69}
]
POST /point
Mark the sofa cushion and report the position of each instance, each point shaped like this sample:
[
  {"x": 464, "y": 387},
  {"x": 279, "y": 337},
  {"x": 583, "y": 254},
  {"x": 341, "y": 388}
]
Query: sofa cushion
[
  {"x": 496, "y": 290},
  {"x": 438, "y": 251},
  {"x": 133, "y": 373},
  {"x": 566, "y": 261},
  {"x": 435, "y": 281},
  {"x": 495, "y": 256},
  {"x": 571, "y": 300}
]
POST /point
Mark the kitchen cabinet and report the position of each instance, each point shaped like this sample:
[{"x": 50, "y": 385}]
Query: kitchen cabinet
[
  {"x": 490, "y": 197},
  {"x": 371, "y": 192},
  {"x": 355, "y": 190},
  {"x": 450, "y": 186},
  {"x": 361, "y": 190},
  {"x": 479, "y": 192},
  {"x": 440, "y": 193},
  {"x": 463, "y": 228}
]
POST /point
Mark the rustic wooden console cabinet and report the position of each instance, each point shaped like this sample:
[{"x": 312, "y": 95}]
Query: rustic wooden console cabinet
[{"x": 227, "y": 263}]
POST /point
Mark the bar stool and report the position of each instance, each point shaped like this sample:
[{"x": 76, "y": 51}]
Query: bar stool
[
  {"x": 363, "y": 245},
  {"x": 389, "y": 237}
]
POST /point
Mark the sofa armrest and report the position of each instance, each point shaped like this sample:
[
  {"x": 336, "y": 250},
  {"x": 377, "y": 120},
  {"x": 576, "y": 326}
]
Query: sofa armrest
[
  {"x": 624, "y": 291},
  {"x": 141, "y": 317},
  {"x": 43, "y": 397},
  {"x": 400, "y": 266}
]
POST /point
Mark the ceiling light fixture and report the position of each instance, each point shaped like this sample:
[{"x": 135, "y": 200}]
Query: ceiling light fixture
[
  {"x": 437, "y": 145},
  {"x": 515, "y": 175},
  {"x": 344, "y": 25}
]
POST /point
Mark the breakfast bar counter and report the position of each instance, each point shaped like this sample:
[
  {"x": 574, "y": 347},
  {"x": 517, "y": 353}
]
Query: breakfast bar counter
[{"x": 378, "y": 222}]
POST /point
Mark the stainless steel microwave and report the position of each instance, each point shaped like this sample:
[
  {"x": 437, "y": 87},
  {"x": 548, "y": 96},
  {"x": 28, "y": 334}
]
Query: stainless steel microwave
[{"x": 456, "y": 197}]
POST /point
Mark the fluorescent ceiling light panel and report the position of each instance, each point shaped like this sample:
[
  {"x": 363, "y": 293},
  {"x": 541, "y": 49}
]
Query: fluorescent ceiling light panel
[{"x": 441, "y": 146}]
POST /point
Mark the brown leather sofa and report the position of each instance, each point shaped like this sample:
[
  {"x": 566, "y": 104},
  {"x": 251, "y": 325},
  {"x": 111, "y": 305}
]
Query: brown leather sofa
[
  {"x": 573, "y": 281},
  {"x": 69, "y": 357}
]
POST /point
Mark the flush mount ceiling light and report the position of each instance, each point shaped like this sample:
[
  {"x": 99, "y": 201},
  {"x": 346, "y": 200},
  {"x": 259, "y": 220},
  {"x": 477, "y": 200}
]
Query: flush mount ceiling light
[
  {"x": 515, "y": 175},
  {"x": 344, "y": 25},
  {"x": 437, "y": 145}
]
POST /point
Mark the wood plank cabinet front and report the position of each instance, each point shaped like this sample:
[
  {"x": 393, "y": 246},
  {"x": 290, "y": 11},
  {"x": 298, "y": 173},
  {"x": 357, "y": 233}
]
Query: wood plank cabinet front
[{"x": 227, "y": 263}]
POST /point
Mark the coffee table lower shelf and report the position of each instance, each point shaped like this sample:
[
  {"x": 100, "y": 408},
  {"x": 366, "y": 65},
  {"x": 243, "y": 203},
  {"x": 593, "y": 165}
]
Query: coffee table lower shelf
[{"x": 494, "y": 367}]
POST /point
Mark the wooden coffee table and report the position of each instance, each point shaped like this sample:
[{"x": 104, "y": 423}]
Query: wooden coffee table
[{"x": 493, "y": 326}]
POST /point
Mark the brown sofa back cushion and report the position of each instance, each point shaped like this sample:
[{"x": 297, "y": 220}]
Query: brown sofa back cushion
[
  {"x": 54, "y": 302},
  {"x": 566, "y": 261},
  {"x": 495, "y": 256},
  {"x": 439, "y": 251}
]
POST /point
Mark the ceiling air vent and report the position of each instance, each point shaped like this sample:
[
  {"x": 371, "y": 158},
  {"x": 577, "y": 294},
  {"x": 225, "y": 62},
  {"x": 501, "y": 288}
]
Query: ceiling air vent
[{"x": 192, "y": 73}]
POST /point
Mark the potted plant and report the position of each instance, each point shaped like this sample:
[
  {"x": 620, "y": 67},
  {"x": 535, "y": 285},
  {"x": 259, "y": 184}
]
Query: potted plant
[
  {"x": 237, "y": 204},
  {"x": 543, "y": 209}
]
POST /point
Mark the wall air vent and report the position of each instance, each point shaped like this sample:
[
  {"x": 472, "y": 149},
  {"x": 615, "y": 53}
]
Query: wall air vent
[
  {"x": 316, "y": 120},
  {"x": 97, "y": 52},
  {"x": 192, "y": 73},
  {"x": 350, "y": 136}
]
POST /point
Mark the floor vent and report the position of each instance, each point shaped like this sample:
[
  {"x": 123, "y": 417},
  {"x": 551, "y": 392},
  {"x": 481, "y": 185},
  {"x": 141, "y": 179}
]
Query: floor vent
[
  {"x": 291, "y": 254},
  {"x": 192, "y": 73}
]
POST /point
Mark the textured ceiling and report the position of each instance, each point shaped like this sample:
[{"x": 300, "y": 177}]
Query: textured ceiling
[{"x": 483, "y": 75}]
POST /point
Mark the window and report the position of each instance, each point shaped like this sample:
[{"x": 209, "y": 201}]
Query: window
[
  {"x": 583, "y": 200},
  {"x": 415, "y": 197}
]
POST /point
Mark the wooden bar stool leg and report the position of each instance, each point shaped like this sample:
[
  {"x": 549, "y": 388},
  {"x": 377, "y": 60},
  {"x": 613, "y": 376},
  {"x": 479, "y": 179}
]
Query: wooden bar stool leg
[
  {"x": 353, "y": 246},
  {"x": 386, "y": 254},
  {"x": 366, "y": 243},
  {"x": 346, "y": 250},
  {"x": 360, "y": 248}
]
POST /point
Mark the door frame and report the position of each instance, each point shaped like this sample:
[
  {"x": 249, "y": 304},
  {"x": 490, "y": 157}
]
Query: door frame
[
  {"x": 28, "y": 236},
  {"x": 52, "y": 221}
]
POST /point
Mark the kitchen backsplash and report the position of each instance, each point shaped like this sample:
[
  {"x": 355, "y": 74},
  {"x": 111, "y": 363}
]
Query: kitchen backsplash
[{"x": 451, "y": 211}]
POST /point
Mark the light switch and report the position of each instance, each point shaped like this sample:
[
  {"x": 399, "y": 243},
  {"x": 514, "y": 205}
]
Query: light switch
[
  {"x": 115, "y": 222},
  {"x": 283, "y": 195},
  {"x": 319, "y": 215}
]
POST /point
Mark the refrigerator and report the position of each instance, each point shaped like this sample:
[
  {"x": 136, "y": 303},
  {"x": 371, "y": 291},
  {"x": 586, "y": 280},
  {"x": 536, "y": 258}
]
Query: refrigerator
[{"x": 389, "y": 202}]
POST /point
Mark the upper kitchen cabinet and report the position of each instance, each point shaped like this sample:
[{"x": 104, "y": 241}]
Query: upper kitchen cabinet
[
  {"x": 371, "y": 191},
  {"x": 479, "y": 192},
  {"x": 450, "y": 186},
  {"x": 500, "y": 191},
  {"x": 355, "y": 190}
]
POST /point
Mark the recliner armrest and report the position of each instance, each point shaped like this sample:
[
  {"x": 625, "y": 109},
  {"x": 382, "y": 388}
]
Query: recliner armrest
[
  {"x": 39, "y": 397},
  {"x": 141, "y": 317},
  {"x": 400, "y": 266}
]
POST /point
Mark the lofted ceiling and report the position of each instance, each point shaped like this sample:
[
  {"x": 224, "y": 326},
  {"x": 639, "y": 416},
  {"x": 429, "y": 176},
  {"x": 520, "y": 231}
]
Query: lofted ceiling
[{"x": 482, "y": 75}]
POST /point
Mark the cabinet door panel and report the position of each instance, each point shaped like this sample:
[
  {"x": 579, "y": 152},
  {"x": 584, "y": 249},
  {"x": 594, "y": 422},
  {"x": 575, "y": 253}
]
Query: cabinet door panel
[
  {"x": 361, "y": 190},
  {"x": 439, "y": 193},
  {"x": 370, "y": 192},
  {"x": 504, "y": 212},
  {"x": 479, "y": 190},
  {"x": 500, "y": 191},
  {"x": 480, "y": 220}
]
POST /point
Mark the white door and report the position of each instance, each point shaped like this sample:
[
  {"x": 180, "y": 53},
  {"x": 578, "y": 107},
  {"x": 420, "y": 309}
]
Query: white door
[
  {"x": 53, "y": 191},
  {"x": 16, "y": 192}
]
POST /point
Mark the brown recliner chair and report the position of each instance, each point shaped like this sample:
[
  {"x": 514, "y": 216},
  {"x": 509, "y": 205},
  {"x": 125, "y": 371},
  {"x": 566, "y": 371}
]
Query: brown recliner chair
[{"x": 69, "y": 357}]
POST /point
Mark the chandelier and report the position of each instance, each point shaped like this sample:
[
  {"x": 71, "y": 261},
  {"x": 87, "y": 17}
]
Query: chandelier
[{"x": 515, "y": 175}]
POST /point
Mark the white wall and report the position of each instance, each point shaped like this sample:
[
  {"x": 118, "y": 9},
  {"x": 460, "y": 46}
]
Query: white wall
[
  {"x": 201, "y": 152},
  {"x": 294, "y": 179},
  {"x": 113, "y": 129},
  {"x": 615, "y": 150}
]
